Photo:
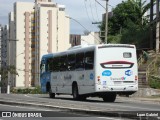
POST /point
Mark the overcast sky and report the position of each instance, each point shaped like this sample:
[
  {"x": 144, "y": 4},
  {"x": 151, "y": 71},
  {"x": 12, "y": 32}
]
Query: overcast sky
[{"x": 84, "y": 11}]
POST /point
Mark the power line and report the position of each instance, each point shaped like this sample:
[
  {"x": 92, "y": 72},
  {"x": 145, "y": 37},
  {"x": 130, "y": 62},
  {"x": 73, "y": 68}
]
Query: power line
[
  {"x": 96, "y": 10},
  {"x": 100, "y": 4},
  {"x": 83, "y": 27},
  {"x": 86, "y": 10},
  {"x": 91, "y": 10},
  {"x": 103, "y": 6}
]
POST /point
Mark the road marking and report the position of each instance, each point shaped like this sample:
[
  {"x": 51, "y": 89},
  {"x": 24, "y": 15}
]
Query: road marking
[
  {"x": 25, "y": 107},
  {"x": 108, "y": 118}
]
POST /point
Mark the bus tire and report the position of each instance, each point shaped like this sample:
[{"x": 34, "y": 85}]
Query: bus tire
[
  {"x": 82, "y": 97},
  {"x": 75, "y": 92},
  {"x": 109, "y": 97},
  {"x": 51, "y": 95}
]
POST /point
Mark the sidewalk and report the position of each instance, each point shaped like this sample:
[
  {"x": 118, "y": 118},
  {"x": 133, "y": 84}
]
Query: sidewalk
[{"x": 150, "y": 99}]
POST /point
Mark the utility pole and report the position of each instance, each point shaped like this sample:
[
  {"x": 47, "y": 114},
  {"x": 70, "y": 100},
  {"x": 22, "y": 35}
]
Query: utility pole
[
  {"x": 106, "y": 27},
  {"x": 157, "y": 26},
  {"x": 151, "y": 24}
]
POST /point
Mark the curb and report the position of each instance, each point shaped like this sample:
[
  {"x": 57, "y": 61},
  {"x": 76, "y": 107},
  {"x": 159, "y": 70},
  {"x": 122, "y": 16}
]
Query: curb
[{"x": 118, "y": 114}]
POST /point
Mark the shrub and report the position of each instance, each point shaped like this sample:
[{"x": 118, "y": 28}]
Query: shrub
[
  {"x": 35, "y": 90},
  {"x": 154, "y": 82}
]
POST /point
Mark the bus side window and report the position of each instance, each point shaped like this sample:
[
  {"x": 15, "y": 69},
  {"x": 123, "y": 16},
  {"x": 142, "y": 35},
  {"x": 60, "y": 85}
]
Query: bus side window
[
  {"x": 71, "y": 62},
  {"x": 89, "y": 60},
  {"x": 48, "y": 65},
  {"x": 79, "y": 61},
  {"x": 63, "y": 63},
  {"x": 56, "y": 64}
]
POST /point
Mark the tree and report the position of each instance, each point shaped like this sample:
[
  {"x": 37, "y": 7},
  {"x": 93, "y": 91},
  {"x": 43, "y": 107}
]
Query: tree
[
  {"x": 134, "y": 34},
  {"x": 10, "y": 69},
  {"x": 126, "y": 14}
]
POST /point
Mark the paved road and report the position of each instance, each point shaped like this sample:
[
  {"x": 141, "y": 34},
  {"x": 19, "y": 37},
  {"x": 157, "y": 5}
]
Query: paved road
[
  {"x": 121, "y": 104},
  {"x": 123, "y": 107},
  {"x": 58, "y": 115}
]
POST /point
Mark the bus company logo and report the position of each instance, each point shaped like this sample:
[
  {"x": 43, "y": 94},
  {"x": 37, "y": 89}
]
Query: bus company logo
[
  {"x": 107, "y": 73},
  {"x": 121, "y": 78},
  {"x": 91, "y": 76},
  {"x": 128, "y": 72}
]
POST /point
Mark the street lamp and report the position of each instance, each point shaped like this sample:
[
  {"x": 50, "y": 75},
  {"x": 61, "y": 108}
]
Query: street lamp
[
  {"x": 8, "y": 84},
  {"x": 83, "y": 27}
]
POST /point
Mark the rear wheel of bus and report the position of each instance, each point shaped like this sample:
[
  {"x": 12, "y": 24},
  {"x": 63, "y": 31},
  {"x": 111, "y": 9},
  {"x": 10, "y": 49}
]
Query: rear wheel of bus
[{"x": 109, "y": 97}]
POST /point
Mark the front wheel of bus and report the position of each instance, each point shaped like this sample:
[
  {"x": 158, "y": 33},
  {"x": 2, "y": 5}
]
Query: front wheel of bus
[
  {"x": 110, "y": 97},
  {"x": 51, "y": 95},
  {"x": 75, "y": 92}
]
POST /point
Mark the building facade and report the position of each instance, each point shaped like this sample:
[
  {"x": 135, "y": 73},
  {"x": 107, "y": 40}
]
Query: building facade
[
  {"x": 4, "y": 55},
  {"x": 0, "y": 43},
  {"x": 90, "y": 38},
  {"x": 36, "y": 29},
  {"x": 12, "y": 47}
]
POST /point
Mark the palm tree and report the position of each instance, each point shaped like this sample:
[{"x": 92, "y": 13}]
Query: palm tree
[{"x": 141, "y": 7}]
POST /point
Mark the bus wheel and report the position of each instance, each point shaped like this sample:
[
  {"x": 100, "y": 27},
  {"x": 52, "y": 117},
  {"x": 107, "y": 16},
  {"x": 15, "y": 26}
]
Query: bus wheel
[
  {"x": 51, "y": 95},
  {"x": 75, "y": 92},
  {"x": 82, "y": 97},
  {"x": 109, "y": 97}
]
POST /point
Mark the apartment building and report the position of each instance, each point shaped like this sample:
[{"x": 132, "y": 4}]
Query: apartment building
[
  {"x": 22, "y": 27},
  {"x": 38, "y": 28},
  {"x": 0, "y": 42},
  {"x": 12, "y": 47},
  {"x": 52, "y": 31},
  {"x": 4, "y": 54},
  {"x": 0, "y": 50},
  {"x": 89, "y": 38}
]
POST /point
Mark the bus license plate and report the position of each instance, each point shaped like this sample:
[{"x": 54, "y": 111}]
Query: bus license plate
[{"x": 117, "y": 82}]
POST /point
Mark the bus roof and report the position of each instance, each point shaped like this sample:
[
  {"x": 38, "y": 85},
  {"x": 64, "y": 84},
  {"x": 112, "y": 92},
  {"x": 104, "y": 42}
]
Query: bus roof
[
  {"x": 47, "y": 55},
  {"x": 90, "y": 46}
]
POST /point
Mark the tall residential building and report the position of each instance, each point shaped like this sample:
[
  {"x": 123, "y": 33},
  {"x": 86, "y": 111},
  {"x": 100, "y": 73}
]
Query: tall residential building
[
  {"x": 0, "y": 49},
  {"x": 51, "y": 32},
  {"x": 4, "y": 54},
  {"x": 39, "y": 28},
  {"x": 12, "y": 47},
  {"x": 23, "y": 14},
  {"x": 0, "y": 43}
]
